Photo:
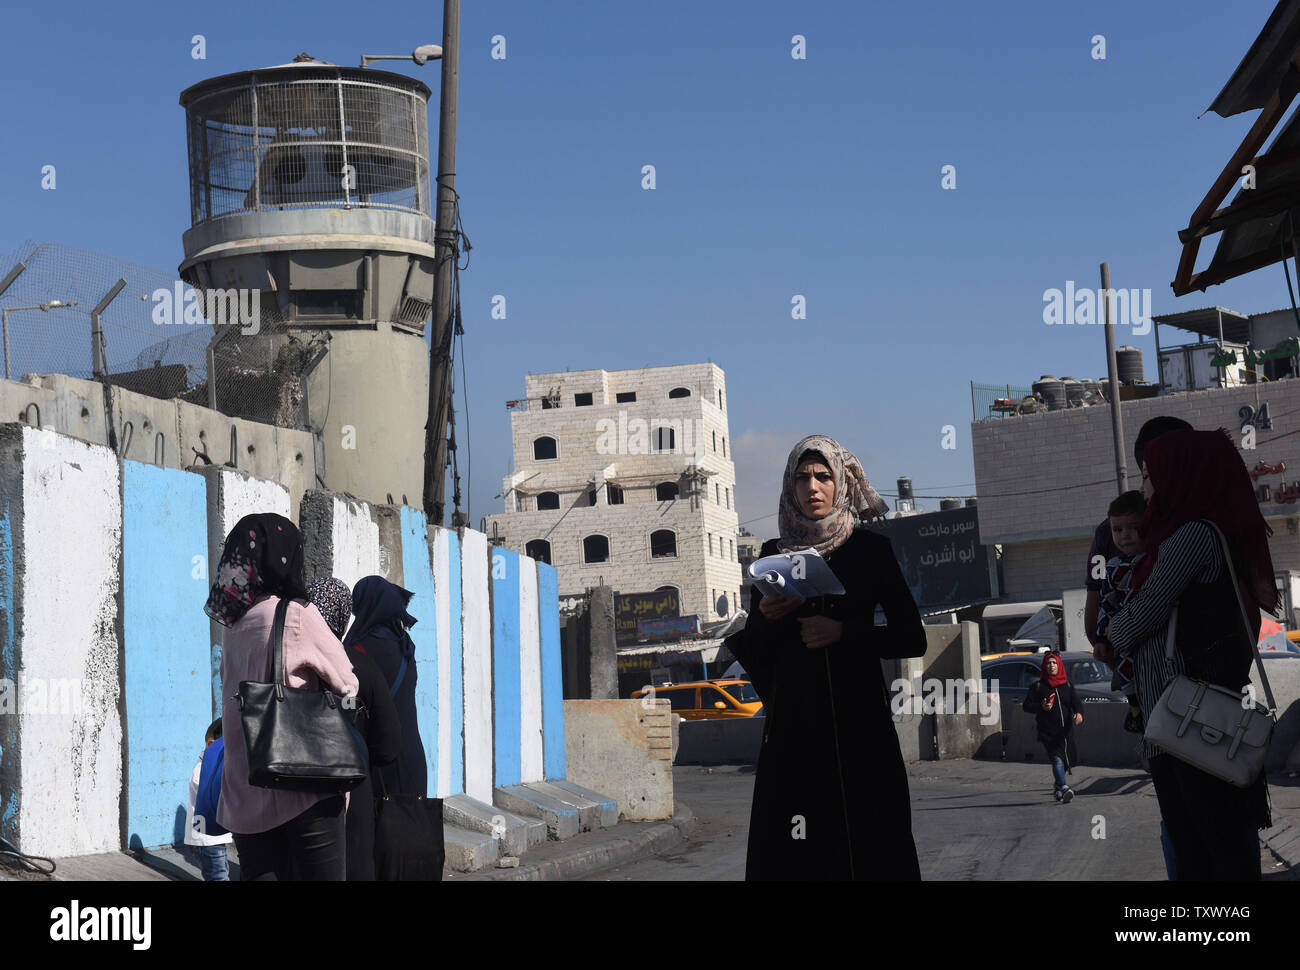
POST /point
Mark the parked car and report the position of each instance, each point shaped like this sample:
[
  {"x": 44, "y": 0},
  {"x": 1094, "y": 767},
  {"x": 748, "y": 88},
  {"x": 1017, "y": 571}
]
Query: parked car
[
  {"x": 1016, "y": 672},
  {"x": 727, "y": 697}
]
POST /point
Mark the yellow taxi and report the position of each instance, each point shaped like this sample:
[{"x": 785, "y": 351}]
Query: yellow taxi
[{"x": 699, "y": 699}]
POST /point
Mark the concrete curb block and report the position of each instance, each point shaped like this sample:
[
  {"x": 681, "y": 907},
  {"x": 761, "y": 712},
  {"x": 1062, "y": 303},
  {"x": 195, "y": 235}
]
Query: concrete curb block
[
  {"x": 1283, "y": 840},
  {"x": 563, "y": 820},
  {"x": 582, "y": 860}
]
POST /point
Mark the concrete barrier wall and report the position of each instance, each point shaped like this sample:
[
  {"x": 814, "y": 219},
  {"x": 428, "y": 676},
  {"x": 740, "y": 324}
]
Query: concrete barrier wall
[
  {"x": 418, "y": 576},
  {"x": 623, "y": 749},
  {"x": 171, "y": 434},
  {"x": 165, "y": 633},
  {"x": 450, "y": 775},
  {"x": 61, "y": 770},
  {"x": 476, "y": 620},
  {"x": 554, "y": 740},
  {"x": 720, "y": 741},
  {"x": 104, "y": 568}
]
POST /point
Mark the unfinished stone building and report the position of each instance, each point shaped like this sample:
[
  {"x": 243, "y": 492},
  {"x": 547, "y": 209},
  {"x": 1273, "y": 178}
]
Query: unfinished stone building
[{"x": 625, "y": 479}]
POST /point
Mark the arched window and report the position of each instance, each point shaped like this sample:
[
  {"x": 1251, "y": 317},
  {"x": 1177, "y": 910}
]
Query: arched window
[
  {"x": 595, "y": 549},
  {"x": 548, "y": 500},
  {"x": 680, "y": 392},
  {"x": 663, "y": 544},
  {"x": 543, "y": 448},
  {"x": 538, "y": 549},
  {"x": 666, "y": 491}
]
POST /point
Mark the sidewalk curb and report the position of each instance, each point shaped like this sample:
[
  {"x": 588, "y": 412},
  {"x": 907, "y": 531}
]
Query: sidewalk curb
[
  {"x": 1283, "y": 840},
  {"x": 584, "y": 860}
]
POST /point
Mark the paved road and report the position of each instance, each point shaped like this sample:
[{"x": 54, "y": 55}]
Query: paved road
[{"x": 972, "y": 820}]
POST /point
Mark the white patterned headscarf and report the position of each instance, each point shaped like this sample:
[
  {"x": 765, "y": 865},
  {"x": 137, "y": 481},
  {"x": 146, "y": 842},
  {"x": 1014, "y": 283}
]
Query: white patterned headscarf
[{"x": 854, "y": 499}]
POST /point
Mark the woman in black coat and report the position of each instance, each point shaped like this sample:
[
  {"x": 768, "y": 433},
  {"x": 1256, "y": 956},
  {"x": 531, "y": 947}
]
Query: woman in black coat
[
  {"x": 375, "y": 718},
  {"x": 830, "y": 796},
  {"x": 379, "y": 632},
  {"x": 1053, "y": 701}
]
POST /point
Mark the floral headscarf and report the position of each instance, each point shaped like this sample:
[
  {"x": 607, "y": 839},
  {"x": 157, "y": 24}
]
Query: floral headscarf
[
  {"x": 262, "y": 556},
  {"x": 854, "y": 499},
  {"x": 334, "y": 600}
]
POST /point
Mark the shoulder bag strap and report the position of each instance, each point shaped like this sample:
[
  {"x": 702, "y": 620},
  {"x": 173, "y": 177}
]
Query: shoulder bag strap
[
  {"x": 1253, "y": 641},
  {"x": 277, "y": 642},
  {"x": 401, "y": 675}
]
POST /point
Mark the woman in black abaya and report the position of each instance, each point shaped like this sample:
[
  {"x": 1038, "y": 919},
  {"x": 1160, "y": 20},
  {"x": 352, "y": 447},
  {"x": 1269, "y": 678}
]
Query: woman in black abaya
[
  {"x": 380, "y": 632},
  {"x": 830, "y": 794}
]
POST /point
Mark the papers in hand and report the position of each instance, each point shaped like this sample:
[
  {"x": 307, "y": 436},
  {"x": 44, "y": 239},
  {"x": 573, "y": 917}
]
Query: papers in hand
[{"x": 803, "y": 573}]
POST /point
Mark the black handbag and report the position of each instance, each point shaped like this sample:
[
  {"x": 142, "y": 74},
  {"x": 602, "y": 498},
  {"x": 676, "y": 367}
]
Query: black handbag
[
  {"x": 408, "y": 828},
  {"x": 298, "y": 739},
  {"x": 408, "y": 837}
]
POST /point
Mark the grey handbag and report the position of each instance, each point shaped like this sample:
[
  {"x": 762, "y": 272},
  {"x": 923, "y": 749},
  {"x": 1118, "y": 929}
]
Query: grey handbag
[{"x": 1223, "y": 732}]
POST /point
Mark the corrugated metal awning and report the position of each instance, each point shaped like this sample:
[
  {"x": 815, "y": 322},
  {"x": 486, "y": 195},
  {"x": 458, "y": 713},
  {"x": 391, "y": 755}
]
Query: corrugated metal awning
[
  {"x": 1261, "y": 71},
  {"x": 1236, "y": 326},
  {"x": 1259, "y": 219}
]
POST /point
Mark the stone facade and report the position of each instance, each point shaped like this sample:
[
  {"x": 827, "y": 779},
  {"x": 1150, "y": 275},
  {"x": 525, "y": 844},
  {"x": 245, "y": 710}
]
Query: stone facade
[
  {"x": 619, "y": 436},
  {"x": 1044, "y": 480}
]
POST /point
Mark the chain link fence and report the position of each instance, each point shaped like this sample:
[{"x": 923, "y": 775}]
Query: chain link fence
[
  {"x": 89, "y": 315},
  {"x": 58, "y": 294},
  {"x": 988, "y": 400}
]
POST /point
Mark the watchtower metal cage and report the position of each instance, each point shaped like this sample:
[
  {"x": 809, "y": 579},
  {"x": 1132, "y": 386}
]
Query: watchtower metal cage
[{"x": 307, "y": 135}]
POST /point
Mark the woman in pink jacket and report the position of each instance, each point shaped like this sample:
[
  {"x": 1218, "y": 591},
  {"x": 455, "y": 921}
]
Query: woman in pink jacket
[{"x": 278, "y": 834}]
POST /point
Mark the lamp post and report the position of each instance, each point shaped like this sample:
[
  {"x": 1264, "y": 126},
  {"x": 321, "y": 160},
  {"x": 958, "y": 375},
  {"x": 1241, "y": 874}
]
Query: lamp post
[
  {"x": 421, "y": 55},
  {"x": 43, "y": 307}
]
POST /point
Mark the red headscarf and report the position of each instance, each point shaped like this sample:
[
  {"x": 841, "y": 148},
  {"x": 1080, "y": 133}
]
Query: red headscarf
[
  {"x": 1200, "y": 475},
  {"x": 1058, "y": 678}
]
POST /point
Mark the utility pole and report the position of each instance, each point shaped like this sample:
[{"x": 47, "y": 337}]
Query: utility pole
[
  {"x": 1116, "y": 416},
  {"x": 435, "y": 430}
]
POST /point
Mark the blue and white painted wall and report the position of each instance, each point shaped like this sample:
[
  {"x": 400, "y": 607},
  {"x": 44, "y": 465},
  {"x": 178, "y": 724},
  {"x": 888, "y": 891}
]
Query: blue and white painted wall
[{"x": 104, "y": 568}]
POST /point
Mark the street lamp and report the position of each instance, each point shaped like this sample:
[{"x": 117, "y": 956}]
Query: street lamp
[
  {"x": 43, "y": 307},
  {"x": 421, "y": 55}
]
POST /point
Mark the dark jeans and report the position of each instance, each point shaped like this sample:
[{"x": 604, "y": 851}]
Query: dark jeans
[
  {"x": 308, "y": 847},
  {"x": 1212, "y": 824},
  {"x": 211, "y": 859}
]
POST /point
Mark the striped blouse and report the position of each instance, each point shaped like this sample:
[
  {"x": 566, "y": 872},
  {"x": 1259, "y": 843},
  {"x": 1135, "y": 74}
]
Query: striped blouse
[{"x": 1192, "y": 554}]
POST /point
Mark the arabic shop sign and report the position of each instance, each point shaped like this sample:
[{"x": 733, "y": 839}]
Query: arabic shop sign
[
  {"x": 669, "y": 628},
  {"x": 631, "y": 608},
  {"x": 1281, "y": 493},
  {"x": 941, "y": 556},
  {"x": 1287, "y": 348}
]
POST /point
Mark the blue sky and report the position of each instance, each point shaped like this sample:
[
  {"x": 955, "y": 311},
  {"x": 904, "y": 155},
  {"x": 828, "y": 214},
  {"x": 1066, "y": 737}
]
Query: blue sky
[{"x": 774, "y": 177}]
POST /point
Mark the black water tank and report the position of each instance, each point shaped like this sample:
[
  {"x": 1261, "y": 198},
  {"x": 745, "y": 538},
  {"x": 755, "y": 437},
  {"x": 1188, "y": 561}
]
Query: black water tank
[
  {"x": 1073, "y": 392},
  {"x": 949, "y": 503},
  {"x": 970, "y": 503},
  {"x": 1128, "y": 365},
  {"x": 905, "y": 489},
  {"x": 1052, "y": 391}
]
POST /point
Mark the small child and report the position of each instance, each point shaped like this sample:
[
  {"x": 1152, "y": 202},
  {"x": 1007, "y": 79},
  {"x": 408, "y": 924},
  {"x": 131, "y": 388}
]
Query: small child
[
  {"x": 211, "y": 848},
  {"x": 1116, "y": 587}
]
